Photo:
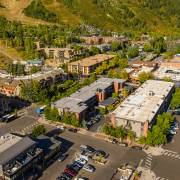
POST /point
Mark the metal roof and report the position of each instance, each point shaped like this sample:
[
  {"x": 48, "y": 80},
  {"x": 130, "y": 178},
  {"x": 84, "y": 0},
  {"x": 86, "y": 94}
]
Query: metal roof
[{"x": 16, "y": 149}]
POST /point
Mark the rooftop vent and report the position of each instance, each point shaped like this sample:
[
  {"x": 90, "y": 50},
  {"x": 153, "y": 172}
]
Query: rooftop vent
[{"x": 151, "y": 93}]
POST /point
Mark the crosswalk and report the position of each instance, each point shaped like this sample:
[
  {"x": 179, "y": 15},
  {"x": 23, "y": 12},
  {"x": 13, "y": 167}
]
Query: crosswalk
[
  {"x": 161, "y": 178},
  {"x": 25, "y": 129},
  {"x": 148, "y": 161},
  {"x": 170, "y": 153}
]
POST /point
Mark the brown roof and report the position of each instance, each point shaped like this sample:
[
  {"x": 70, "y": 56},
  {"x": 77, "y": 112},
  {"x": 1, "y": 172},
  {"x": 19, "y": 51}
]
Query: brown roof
[
  {"x": 89, "y": 61},
  {"x": 143, "y": 63}
]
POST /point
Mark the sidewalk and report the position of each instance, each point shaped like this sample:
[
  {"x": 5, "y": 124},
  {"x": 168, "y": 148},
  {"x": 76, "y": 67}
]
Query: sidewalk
[
  {"x": 146, "y": 174},
  {"x": 155, "y": 151}
]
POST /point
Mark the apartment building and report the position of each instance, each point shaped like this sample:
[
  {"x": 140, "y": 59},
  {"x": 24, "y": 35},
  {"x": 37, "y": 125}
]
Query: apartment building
[
  {"x": 139, "y": 111},
  {"x": 88, "y": 97},
  {"x": 18, "y": 155},
  {"x": 92, "y": 40},
  {"x": 11, "y": 86},
  {"x": 63, "y": 55},
  {"x": 88, "y": 65}
]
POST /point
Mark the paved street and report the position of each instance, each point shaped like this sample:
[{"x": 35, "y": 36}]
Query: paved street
[
  {"x": 24, "y": 123},
  {"x": 167, "y": 165}
]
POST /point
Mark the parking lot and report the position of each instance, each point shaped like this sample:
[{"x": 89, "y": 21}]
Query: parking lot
[{"x": 117, "y": 155}]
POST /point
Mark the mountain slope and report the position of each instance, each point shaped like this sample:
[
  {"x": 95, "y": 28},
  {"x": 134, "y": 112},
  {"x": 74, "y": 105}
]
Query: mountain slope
[{"x": 160, "y": 16}]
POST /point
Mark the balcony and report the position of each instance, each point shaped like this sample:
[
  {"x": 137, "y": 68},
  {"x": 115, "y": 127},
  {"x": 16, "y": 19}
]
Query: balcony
[{"x": 19, "y": 163}]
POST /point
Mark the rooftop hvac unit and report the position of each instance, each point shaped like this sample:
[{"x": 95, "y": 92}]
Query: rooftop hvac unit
[{"x": 151, "y": 93}]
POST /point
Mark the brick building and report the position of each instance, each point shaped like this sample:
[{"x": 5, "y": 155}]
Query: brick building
[{"x": 88, "y": 97}]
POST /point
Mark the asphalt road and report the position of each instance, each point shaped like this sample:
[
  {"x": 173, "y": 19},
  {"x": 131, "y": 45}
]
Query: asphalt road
[
  {"x": 25, "y": 122},
  {"x": 117, "y": 156}
]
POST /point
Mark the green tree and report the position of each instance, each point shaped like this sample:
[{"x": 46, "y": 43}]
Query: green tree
[
  {"x": 34, "y": 69},
  {"x": 38, "y": 130},
  {"x": 143, "y": 76},
  {"x": 123, "y": 74},
  {"x": 175, "y": 101},
  {"x": 115, "y": 46},
  {"x": 125, "y": 93},
  {"x": 102, "y": 111},
  {"x": 148, "y": 47},
  {"x": 158, "y": 44},
  {"x": 94, "y": 50},
  {"x": 123, "y": 63},
  {"x": 133, "y": 52},
  {"x": 168, "y": 79},
  {"x": 131, "y": 135},
  {"x": 115, "y": 95}
]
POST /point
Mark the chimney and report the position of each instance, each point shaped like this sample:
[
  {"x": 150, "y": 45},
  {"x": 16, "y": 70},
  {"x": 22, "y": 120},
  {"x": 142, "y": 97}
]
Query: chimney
[
  {"x": 116, "y": 87},
  {"x": 113, "y": 120}
]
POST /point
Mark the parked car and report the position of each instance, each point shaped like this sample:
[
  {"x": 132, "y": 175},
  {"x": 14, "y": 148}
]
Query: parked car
[
  {"x": 81, "y": 178},
  {"x": 65, "y": 176},
  {"x": 83, "y": 147},
  {"x": 70, "y": 171},
  {"x": 73, "y": 130},
  {"x": 81, "y": 161},
  {"x": 100, "y": 153},
  {"x": 75, "y": 163},
  {"x": 111, "y": 140},
  {"x": 89, "y": 168},
  {"x": 87, "y": 148},
  {"x": 172, "y": 131},
  {"x": 98, "y": 116},
  {"x": 137, "y": 147},
  {"x": 75, "y": 166},
  {"x": 170, "y": 137},
  {"x": 62, "y": 157},
  {"x": 62, "y": 128},
  {"x": 122, "y": 144}
]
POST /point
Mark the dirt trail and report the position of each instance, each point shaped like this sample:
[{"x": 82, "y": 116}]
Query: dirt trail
[{"x": 14, "y": 11}]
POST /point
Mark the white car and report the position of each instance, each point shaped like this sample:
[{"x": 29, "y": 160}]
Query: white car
[
  {"x": 61, "y": 128},
  {"x": 81, "y": 178},
  {"x": 172, "y": 132},
  {"x": 81, "y": 161}
]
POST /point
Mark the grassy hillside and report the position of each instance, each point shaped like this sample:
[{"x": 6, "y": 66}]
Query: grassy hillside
[{"x": 160, "y": 16}]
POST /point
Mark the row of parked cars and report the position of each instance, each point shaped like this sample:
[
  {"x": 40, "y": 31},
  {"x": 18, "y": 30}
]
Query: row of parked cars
[
  {"x": 81, "y": 162},
  {"x": 93, "y": 121}
]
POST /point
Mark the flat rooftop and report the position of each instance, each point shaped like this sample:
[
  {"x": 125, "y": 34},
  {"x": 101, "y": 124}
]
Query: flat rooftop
[
  {"x": 12, "y": 145},
  {"x": 173, "y": 73},
  {"x": 144, "y": 103},
  {"x": 143, "y": 69},
  {"x": 92, "y": 60},
  {"x": 77, "y": 101}
]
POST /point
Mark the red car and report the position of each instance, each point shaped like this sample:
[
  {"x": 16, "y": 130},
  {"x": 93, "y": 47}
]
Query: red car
[{"x": 70, "y": 171}]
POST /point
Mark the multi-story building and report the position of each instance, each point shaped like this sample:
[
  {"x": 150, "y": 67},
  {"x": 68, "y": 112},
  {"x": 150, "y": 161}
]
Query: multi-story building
[
  {"x": 10, "y": 86},
  {"x": 88, "y": 65},
  {"x": 139, "y": 111},
  {"x": 87, "y": 97},
  {"x": 17, "y": 156},
  {"x": 103, "y": 39},
  {"x": 63, "y": 55}
]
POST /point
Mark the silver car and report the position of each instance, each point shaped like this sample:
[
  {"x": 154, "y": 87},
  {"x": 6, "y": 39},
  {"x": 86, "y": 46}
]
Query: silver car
[{"x": 89, "y": 168}]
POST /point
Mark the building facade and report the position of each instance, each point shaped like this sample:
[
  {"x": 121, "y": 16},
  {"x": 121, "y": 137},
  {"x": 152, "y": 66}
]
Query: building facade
[{"x": 88, "y": 65}]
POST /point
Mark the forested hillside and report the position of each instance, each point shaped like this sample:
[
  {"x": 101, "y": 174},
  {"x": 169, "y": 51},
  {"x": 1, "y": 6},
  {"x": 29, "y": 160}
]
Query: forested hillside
[{"x": 159, "y": 16}]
